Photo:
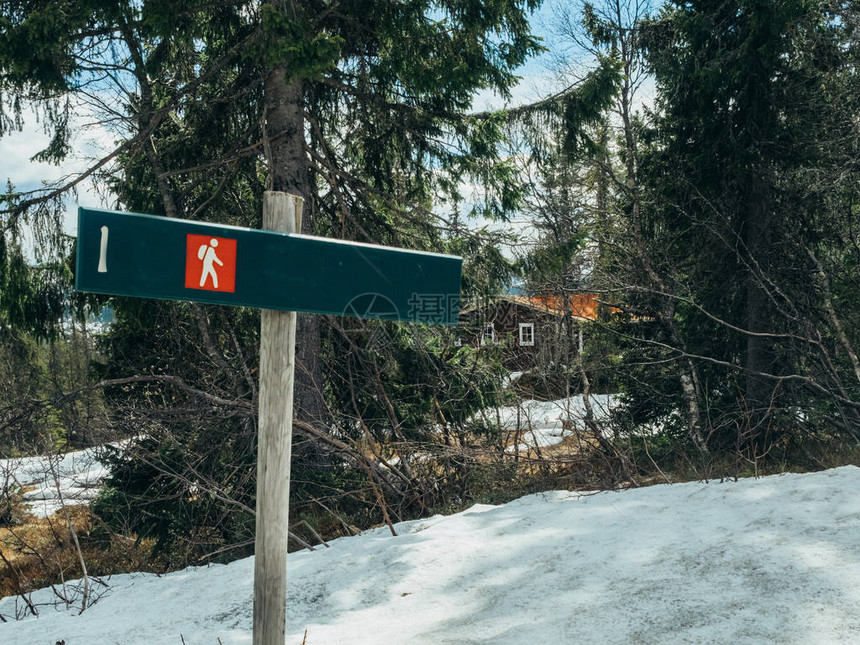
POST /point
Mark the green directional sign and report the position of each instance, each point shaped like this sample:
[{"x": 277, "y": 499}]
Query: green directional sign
[{"x": 156, "y": 257}]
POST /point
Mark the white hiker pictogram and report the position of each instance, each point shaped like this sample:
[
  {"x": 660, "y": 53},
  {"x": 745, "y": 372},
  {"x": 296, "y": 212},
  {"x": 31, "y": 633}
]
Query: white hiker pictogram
[{"x": 206, "y": 252}]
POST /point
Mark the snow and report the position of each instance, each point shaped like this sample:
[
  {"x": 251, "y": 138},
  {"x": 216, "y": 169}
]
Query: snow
[
  {"x": 772, "y": 560},
  {"x": 78, "y": 473},
  {"x": 542, "y": 422}
]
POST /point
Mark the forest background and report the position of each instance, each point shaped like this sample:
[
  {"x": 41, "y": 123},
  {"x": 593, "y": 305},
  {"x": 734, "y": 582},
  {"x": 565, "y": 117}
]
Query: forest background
[{"x": 715, "y": 219}]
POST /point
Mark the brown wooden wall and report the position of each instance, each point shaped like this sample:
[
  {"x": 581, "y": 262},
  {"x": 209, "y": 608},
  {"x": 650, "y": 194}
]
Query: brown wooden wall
[{"x": 549, "y": 333}]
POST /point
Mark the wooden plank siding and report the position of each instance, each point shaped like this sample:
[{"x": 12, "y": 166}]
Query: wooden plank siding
[{"x": 551, "y": 335}]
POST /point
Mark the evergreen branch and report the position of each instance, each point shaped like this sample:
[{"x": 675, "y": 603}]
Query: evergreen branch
[
  {"x": 553, "y": 100},
  {"x": 156, "y": 117},
  {"x": 155, "y": 378},
  {"x": 680, "y": 354}
]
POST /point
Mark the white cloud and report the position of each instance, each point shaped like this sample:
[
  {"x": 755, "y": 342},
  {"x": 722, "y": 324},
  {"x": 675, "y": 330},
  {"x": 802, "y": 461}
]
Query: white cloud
[
  {"x": 17, "y": 148},
  {"x": 89, "y": 141}
]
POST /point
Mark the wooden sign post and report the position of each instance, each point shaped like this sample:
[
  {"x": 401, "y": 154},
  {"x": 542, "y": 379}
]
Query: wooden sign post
[
  {"x": 281, "y": 212},
  {"x": 280, "y": 272}
]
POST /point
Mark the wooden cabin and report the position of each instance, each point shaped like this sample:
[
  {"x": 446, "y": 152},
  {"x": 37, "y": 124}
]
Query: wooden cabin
[{"x": 536, "y": 331}]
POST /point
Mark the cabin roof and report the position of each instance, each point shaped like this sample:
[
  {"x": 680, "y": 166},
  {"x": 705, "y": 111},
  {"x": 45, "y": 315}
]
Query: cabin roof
[{"x": 582, "y": 306}]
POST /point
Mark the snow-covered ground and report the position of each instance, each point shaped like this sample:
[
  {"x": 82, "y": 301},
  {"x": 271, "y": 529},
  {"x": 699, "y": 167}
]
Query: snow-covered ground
[
  {"x": 78, "y": 474},
  {"x": 773, "y": 560},
  {"x": 542, "y": 423}
]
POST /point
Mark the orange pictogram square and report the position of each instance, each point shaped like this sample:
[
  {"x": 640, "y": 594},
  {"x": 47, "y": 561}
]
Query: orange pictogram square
[{"x": 210, "y": 263}]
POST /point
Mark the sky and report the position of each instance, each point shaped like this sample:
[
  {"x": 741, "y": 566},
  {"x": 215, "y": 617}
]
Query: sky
[
  {"x": 16, "y": 166},
  {"x": 17, "y": 148}
]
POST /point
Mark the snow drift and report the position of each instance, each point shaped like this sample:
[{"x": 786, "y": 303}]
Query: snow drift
[{"x": 75, "y": 477}]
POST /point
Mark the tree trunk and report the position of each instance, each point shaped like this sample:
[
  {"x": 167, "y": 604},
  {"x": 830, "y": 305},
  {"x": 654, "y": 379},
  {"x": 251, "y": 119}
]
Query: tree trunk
[
  {"x": 758, "y": 359},
  {"x": 288, "y": 172}
]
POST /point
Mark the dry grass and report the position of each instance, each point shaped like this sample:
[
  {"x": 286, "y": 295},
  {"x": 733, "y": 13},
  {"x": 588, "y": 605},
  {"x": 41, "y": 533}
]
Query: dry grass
[
  {"x": 40, "y": 551},
  {"x": 572, "y": 449}
]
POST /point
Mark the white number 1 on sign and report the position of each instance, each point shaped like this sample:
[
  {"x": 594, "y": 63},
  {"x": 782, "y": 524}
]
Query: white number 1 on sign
[{"x": 103, "y": 251}]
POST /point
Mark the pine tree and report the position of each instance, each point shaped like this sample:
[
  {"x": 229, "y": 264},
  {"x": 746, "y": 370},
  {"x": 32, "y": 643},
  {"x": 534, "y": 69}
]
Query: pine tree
[
  {"x": 359, "y": 107},
  {"x": 750, "y": 98}
]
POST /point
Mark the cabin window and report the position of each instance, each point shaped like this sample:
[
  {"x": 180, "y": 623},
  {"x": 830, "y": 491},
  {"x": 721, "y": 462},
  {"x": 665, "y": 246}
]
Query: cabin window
[
  {"x": 527, "y": 334},
  {"x": 488, "y": 335}
]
